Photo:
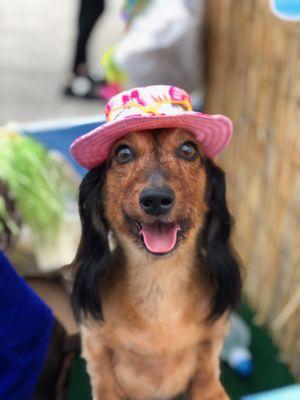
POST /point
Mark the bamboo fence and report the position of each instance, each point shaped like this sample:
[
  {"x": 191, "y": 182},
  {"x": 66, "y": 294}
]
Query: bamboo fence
[{"x": 253, "y": 76}]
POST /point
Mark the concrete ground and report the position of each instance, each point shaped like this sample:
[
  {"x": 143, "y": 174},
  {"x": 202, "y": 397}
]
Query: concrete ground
[{"x": 36, "y": 47}]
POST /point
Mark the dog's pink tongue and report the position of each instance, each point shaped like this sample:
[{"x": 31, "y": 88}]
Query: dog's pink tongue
[{"x": 159, "y": 237}]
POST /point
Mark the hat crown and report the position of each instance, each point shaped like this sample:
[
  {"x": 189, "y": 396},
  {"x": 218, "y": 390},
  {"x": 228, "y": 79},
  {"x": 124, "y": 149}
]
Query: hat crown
[{"x": 148, "y": 101}]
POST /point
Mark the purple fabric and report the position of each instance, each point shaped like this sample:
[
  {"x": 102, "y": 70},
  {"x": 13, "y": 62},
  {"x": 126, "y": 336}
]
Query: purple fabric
[{"x": 26, "y": 325}]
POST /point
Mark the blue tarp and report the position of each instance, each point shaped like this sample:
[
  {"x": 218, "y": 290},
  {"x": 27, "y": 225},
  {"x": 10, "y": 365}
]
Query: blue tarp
[
  {"x": 286, "y": 393},
  {"x": 60, "y": 137}
]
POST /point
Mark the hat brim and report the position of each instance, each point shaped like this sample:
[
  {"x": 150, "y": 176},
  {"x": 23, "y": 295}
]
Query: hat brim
[{"x": 213, "y": 132}]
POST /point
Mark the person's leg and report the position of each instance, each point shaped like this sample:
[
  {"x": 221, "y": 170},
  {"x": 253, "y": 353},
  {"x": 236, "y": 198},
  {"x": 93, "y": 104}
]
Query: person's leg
[
  {"x": 56, "y": 297},
  {"x": 79, "y": 83},
  {"x": 90, "y": 11},
  {"x": 65, "y": 341}
]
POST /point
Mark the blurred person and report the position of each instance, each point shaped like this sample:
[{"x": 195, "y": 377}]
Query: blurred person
[
  {"x": 26, "y": 322},
  {"x": 38, "y": 333},
  {"x": 80, "y": 83}
]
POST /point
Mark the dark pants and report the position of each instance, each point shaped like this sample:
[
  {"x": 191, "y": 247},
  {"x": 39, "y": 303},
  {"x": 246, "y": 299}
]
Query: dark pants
[{"x": 90, "y": 11}]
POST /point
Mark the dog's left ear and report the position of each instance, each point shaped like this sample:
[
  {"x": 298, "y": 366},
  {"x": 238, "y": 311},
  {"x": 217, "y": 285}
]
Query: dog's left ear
[
  {"x": 218, "y": 256},
  {"x": 92, "y": 258}
]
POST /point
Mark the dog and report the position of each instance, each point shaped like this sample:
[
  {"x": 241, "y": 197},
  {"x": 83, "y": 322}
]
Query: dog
[{"x": 153, "y": 310}]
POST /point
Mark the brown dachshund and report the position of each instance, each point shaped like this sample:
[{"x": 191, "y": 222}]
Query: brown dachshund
[{"x": 153, "y": 310}]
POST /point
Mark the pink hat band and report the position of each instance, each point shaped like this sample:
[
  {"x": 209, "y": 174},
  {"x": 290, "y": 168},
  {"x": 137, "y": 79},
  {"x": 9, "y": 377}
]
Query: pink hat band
[
  {"x": 151, "y": 107},
  {"x": 128, "y": 104}
]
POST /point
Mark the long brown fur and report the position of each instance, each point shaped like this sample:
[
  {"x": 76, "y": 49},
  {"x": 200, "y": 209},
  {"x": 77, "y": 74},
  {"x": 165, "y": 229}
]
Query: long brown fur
[{"x": 155, "y": 341}]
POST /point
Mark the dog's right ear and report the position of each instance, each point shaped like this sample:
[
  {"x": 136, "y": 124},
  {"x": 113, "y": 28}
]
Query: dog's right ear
[{"x": 92, "y": 258}]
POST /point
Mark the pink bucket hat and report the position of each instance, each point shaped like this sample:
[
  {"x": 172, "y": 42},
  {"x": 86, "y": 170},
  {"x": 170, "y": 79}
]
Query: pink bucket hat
[{"x": 150, "y": 107}]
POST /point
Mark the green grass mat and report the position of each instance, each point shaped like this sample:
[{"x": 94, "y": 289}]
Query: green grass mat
[{"x": 269, "y": 371}]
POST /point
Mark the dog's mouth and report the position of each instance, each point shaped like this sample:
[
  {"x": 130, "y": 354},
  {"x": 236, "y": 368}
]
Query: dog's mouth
[{"x": 159, "y": 237}]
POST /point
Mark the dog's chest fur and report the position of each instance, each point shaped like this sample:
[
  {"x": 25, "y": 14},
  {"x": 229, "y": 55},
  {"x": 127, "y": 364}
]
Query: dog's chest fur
[{"x": 153, "y": 329}]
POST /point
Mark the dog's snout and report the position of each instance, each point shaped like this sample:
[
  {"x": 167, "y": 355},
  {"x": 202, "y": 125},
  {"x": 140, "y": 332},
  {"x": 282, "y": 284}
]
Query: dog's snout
[{"x": 157, "y": 201}]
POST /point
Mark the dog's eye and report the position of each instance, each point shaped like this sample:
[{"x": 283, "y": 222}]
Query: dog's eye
[
  {"x": 188, "y": 151},
  {"x": 124, "y": 154}
]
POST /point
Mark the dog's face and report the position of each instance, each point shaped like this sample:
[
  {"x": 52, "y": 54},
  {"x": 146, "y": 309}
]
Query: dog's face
[
  {"x": 157, "y": 192},
  {"x": 155, "y": 188}
]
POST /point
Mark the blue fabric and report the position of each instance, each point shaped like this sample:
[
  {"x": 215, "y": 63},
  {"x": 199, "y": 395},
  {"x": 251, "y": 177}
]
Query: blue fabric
[{"x": 26, "y": 325}]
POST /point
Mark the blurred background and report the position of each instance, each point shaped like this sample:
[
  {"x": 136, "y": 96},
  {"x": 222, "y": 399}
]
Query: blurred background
[
  {"x": 60, "y": 62},
  {"x": 37, "y": 43}
]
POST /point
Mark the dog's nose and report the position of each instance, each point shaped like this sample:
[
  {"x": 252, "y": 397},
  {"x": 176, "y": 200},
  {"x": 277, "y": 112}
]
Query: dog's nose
[{"x": 157, "y": 201}]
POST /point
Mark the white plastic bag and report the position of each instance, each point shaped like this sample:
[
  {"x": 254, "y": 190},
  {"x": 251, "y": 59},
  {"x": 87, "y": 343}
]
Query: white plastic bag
[{"x": 162, "y": 45}]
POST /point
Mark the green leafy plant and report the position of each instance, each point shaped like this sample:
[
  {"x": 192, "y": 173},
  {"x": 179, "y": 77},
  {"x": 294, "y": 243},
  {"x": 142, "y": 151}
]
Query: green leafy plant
[{"x": 36, "y": 181}]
